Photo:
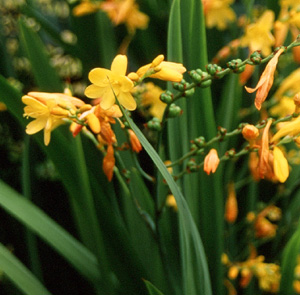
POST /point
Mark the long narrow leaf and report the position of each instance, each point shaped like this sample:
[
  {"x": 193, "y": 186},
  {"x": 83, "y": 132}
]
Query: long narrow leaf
[
  {"x": 197, "y": 277},
  {"x": 47, "y": 229},
  {"x": 44, "y": 74},
  {"x": 19, "y": 274}
]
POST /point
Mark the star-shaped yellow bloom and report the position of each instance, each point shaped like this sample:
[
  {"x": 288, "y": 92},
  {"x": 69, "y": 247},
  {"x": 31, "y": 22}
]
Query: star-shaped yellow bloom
[
  {"x": 48, "y": 110},
  {"x": 258, "y": 35},
  {"x": 218, "y": 13},
  {"x": 110, "y": 83}
]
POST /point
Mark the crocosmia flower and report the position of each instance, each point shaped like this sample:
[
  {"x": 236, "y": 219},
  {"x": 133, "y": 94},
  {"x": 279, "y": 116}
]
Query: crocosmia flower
[
  {"x": 110, "y": 83},
  {"x": 48, "y": 110}
]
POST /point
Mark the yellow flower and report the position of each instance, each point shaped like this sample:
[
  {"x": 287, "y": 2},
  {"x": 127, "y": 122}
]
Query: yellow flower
[
  {"x": 211, "y": 162},
  {"x": 163, "y": 70},
  {"x": 218, "y": 13},
  {"x": 289, "y": 86},
  {"x": 127, "y": 12},
  {"x": 151, "y": 97},
  {"x": 48, "y": 110},
  {"x": 108, "y": 83},
  {"x": 291, "y": 128},
  {"x": 285, "y": 106},
  {"x": 266, "y": 80},
  {"x": 258, "y": 35},
  {"x": 281, "y": 166}
]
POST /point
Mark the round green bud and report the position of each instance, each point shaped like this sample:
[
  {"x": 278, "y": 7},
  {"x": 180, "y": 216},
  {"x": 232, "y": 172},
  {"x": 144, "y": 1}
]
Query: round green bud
[
  {"x": 166, "y": 97},
  {"x": 189, "y": 92},
  {"x": 205, "y": 84},
  {"x": 256, "y": 57},
  {"x": 178, "y": 86},
  {"x": 174, "y": 111},
  {"x": 154, "y": 124},
  {"x": 191, "y": 166}
]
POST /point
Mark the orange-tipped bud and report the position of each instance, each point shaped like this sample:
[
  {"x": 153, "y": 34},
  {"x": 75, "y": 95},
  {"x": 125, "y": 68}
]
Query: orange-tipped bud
[
  {"x": 211, "y": 162},
  {"x": 93, "y": 123},
  {"x": 250, "y": 132},
  {"x": 231, "y": 206},
  {"x": 134, "y": 142},
  {"x": 233, "y": 272},
  {"x": 109, "y": 163}
]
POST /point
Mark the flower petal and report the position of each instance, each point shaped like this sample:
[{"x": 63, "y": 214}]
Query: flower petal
[
  {"x": 36, "y": 125},
  {"x": 108, "y": 99},
  {"x": 94, "y": 91},
  {"x": 98, "y": 75},
  {"x": 127, "y": 101},
  {"x": 281, "y": 166},
  {"x": 119, "y": 65}
]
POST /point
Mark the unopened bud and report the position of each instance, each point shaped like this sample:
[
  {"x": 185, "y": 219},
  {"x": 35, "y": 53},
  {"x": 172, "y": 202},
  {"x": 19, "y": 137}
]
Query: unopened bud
[
  {"x": 133, "y": 76},
  {"x": 157, "y": 61},
  {"x": 250, "y": 132},
  {"x": 84, "y": 108},
  {"x": 93, "y": 123},
  {"x": 57, "y": 111},
  {"x": 174, "y": 111}
]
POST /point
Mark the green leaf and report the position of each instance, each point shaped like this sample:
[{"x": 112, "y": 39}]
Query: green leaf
[
  {"x": 45, "y": 75},
  {"x": 289, "y": 262},
  {"x": 196, "y": 275},
  {"x": 152, "y": 289},
  {"x": 19, "y": 274},
  {"x": 47, "y": 229}
]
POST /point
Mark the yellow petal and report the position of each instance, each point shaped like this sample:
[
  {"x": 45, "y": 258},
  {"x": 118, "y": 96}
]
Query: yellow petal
[
  {"x": 281, "y": 166},
  {"x": 98, "y": 75},
  {"x": 127, "y": 100},
  {"x": 126, "y": 84},
  {"x": 119, "y": 65},
  {"x": 291, "y": 128},
  {"x": 94, "y": 91},
  {"x": 108, "y": 99},
  {"x": 36, "y": 125}
]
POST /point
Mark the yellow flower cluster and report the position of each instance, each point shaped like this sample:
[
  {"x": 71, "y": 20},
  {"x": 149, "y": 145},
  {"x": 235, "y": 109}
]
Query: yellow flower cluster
[{"x": 50, "y": 110}]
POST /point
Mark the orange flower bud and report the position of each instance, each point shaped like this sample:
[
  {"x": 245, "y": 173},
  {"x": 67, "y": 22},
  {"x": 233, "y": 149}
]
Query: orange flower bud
[
  {"x": 93, "y": 123},
  {"x": 250, "y": 132},
  {"x": 109, "y": 162},
  {"x": 134, "y": 142},
  {"x": 233, "y": 272},
  {"x": 211, "y": 162},
  {"x": 231, "y": 206}
]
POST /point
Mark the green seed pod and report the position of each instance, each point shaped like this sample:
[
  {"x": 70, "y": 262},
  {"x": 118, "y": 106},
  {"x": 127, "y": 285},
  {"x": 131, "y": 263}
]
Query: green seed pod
[
  {"x": 166, "y": 97},
  {"x": 178, "y": 86},
  {"x": 154, "y": 124},
  {"x": 189, "y": 92},
  {"x": 195, "y": 76},
  {"x": 255, "y": 57},
  {"x": 239, "y": 69},
  {"x": 212, "y": 69},
  {"x": 205, "y": 84},
  {"x": 199, "y": 141},
  {"x": 174, "y": 111},
  {"x": 191, "y": 166}
]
